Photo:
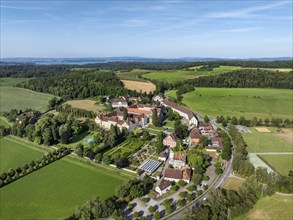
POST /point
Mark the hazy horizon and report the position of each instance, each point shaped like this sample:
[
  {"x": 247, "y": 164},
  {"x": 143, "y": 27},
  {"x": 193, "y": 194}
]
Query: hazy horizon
[{"x": 155, "y": 29}]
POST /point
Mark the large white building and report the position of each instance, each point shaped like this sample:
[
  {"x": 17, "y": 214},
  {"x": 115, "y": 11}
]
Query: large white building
[{"x": 182, "y": 111}]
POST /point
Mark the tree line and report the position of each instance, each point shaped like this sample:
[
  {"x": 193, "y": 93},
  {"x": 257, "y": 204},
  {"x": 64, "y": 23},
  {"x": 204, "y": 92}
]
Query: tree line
[
  {"x": 274, "y": 122},
  {"x": 76, "y": 112},
  {"x": 13, "y": 175}
]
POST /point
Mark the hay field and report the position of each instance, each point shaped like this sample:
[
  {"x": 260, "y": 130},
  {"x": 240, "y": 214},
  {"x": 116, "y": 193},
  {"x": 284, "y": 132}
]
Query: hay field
[
  {"x": 233, "y": 183},
  {"x": 139, "y": 86},
  {"x": 85, "y": 104},
  {"x": 262, "y": 129}
]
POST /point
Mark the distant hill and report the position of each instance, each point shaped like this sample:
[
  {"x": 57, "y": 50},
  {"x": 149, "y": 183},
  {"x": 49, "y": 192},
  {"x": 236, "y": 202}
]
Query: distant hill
[{"x": 126, "y": 59}]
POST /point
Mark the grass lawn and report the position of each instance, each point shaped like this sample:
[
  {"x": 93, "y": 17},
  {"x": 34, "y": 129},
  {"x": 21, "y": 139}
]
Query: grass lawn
[
  {"x": 247, "y": 102},
  {"x": 282, "y": 163},
  {"x": 14, "y": 154},
  {"x": 177, "y": 75},
  {"x": 233, "y": 183},
  {"x": 89, "y": 105},
  {"x": 12, "y": 81},
  {"x": 19, "y": 98},
  {"x": 266, "y": 142},
  {"x": 274, "y": 207},
  {"x": 56, "y": 190},
  {"x": 132, "y": 75},
  {"x": 169, "y": 124},
  {"x": 4, "y": 122}
]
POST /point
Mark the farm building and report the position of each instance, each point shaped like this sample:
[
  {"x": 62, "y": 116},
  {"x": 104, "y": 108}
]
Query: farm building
[
  {"x": 176, "y": 175},
  {"x": 194, "y": 136}
]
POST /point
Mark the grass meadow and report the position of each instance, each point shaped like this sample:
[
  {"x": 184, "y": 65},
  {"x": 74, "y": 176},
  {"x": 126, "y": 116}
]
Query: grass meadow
[
  {"x": 12, "y": 81},
  {"x": 55, "y": 191},
  {"x": 259, "y": 142},
  {"x": 132, "y": 75},
  {"x": 247, "y": 102},
  {"x": 282, "y": 163},
  {"x": 19, "y": 98},
  {"x": 274, "y": 207},
  {"x": 14, "y": 154},
  {"x": 233, "y": 183},
  {"x": 177, "y": 75},
  {"x": 4, "y": 122}
]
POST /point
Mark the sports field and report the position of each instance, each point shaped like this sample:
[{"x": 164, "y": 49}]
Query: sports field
[
  {"x": 266, "y": 142},
  {"x": 274, "y": 207},
  {"x": 14, "y": 154},
  {"x": 89, "y": 105},
  {"x": 54, "y": 191},
  {"x": 282, "y": 163},
  {"x": 177, "y": 75},
  {"x": 247, "y": 102},
  {"x": 19, "y": 98}
]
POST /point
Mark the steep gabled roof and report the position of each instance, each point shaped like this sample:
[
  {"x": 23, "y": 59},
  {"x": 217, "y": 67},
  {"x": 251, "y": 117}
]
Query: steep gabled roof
[
  {"x": 179, "y": 108},
  {"x": 172, "y": 173}
]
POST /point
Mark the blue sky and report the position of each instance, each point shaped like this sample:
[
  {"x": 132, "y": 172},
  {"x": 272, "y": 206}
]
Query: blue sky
[{"x": 162, "y": 28}]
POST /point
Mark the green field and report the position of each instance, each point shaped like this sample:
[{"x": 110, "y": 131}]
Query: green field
[
  {"x": 4, "y": 122},
  {"x": 12, "y": 81},
  {"x": 233, "y": 183},
  {"x": 266, "y": 142},
  {"x": 282, "y": 163},
  {"x": 19, "y": 98},
  {"x": 274, "y": 207},
  {"x": 132, "y": 75},
  {"x": 55, "y": 190},
  {"x": 177, "y": 75},
  {"x": 14, "y": 154},
  {"x": 247, "y": 102}
]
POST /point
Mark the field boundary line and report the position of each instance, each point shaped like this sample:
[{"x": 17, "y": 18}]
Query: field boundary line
[{"x": 29, "y": 144}]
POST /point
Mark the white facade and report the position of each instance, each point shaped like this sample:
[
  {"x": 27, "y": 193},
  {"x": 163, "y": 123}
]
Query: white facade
[
  {"x": 120, "y": 104},
  {"x": 162, "y": 192}
]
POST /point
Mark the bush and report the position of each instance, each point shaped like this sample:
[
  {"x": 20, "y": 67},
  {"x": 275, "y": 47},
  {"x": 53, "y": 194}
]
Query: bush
[
  {"x": 191, "y": 188},
  {"x": 181, "y": 183},
  {"x": 183, "y": 194}
]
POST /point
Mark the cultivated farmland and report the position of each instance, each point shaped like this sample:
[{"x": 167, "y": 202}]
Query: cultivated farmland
[
  {"x": 12, "y": 81},
  {"x": 19, "y": 98},
  {"x": 247, "y": 102},
  {"x": 139, "y": 86},
  {"x": 132, "y": 75},
  {"x": 54, "y": 191},
  {"x": 89, "y": 105},
  {"x": 14, "y": 154}
]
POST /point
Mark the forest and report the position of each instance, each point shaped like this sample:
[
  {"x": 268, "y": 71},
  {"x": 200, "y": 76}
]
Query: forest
[
  {"x": 32, "y": 70},
  {"x": 80, "y": 86}
]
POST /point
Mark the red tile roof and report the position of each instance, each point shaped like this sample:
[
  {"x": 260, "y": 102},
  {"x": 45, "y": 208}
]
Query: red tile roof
[{"x": 172, "y": 173}]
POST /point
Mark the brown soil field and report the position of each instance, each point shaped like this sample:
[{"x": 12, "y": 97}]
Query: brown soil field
[
  {"x": 287, "y": 136},
  {"x": 85, "y": 104},
  {"x": 135, "y": 85},
  {"x": 262, "y": 129}
]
